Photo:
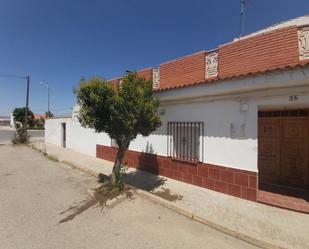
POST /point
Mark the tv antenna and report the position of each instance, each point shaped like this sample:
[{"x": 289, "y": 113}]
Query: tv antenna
[{"x": 243, "y": 5}]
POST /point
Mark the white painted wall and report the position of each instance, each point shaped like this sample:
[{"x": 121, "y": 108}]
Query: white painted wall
[
  {"x": 53, "y": 130},
  {"x": 217, "y": 105},
  {"x": 217, "y": 116},
  {"x": 12, "y": 120},
  {"x": 80, "y": 139},
  {"x": 77, "y": 138}
]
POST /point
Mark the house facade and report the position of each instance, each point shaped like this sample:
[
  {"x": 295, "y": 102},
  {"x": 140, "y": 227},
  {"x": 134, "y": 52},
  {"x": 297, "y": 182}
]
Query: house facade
[{"x": 234, "y": 118}]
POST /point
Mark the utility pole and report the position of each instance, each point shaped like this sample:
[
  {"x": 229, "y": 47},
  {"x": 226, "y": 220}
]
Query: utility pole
[
  {"x": 27, "y": 94},
  {"x": 48, "y": 107},
  {"x": 27, "y": 105},
  {"x": 243, "y": 5}
]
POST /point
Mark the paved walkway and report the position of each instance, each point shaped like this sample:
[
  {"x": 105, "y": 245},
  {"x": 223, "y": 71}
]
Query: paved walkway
[{"x": 270, "y": 226}]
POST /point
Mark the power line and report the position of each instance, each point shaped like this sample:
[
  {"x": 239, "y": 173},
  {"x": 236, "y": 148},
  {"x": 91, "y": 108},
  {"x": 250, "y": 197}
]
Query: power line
[
  {"x": 54, "y": 109},
  {"x": 61, "y": 109},
  {"x": 12, "y": 76}
]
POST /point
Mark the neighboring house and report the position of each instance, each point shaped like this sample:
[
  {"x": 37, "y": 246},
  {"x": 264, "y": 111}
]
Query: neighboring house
[
  {"x": 5, "y": 120},
  {"x": 39, "y": 116},
  {"x": 236, "y": 118}
]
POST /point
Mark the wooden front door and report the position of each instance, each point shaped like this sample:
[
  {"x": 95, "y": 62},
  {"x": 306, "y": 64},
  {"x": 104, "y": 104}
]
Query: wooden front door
[{"x": 283, "y": 150}]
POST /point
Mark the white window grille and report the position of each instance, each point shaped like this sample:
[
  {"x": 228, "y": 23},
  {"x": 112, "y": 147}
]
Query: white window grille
[{"x": 185, "y": 140}]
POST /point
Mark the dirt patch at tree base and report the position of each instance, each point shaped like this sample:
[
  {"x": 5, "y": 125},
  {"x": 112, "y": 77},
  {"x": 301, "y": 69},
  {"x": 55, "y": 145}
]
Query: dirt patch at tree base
[
  {"x": 167, "y": 195},
  {"x": 100, "y": 197}
]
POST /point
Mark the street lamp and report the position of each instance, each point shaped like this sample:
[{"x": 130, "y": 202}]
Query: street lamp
[{"x": 48, "y": 93}]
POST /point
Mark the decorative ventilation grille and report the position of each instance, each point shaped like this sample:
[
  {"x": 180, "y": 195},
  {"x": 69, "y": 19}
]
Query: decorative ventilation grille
[
  {"x": 156, "y": 77},
  {"x": 303, "y": 41},
  {"x": 211, "y": 65}
]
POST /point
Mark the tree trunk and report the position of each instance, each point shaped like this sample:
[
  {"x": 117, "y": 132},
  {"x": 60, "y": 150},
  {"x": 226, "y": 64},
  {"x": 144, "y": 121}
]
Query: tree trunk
[{"x": 117, "y": 165}]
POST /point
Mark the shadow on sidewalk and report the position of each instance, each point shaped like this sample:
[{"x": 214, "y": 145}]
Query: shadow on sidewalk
[
  {"x": 146, "y": 176},
  {"x": 144, "y": 180}
]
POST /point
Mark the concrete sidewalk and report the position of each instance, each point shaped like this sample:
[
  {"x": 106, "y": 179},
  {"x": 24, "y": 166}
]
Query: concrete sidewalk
[{"x": 263, "y": 225}]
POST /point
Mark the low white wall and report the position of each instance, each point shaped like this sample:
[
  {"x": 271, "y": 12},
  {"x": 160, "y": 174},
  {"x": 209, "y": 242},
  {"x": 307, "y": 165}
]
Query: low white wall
[
  {"x": 81, "y": 139},
  {"x": 53, "y": 130},
  {"x": 77, "y": 138}
]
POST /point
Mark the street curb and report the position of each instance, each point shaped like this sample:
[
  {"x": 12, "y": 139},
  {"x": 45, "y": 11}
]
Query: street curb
[
  {"x": 171, "y": 206},
  {"x": 117, "y": 200},
  {"x": 112, "y": 202},
  {"x": 79, "y": 167}
]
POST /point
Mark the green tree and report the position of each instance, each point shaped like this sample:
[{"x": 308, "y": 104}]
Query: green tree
[
  {"x": 49, "y": 114},
  {"x": 39, "y": 123},
  {"x": 122, "y": 112},
  {"x": 19, "y": 116}
]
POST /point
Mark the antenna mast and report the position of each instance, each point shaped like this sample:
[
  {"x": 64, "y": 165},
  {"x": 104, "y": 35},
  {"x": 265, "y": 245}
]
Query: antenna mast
[{"x": 243, "y": 5}]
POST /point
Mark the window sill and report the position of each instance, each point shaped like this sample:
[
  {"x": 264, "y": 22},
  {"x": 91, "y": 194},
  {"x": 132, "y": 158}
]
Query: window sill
[{"x": 193, "y": 163}]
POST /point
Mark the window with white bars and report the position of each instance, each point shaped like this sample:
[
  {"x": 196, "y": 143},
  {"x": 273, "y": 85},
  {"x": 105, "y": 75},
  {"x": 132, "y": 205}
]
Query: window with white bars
[{"x": 185, "y": 140}]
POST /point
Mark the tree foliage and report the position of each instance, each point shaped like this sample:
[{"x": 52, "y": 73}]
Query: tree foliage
[
  {"x": 38, "y": 124},
  {"x": 19, "y": 116},
  {"x": 122, "y": 112}
]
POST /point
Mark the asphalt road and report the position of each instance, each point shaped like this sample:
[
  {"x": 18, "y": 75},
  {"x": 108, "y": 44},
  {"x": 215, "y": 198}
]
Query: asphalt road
[
  {"x": 6, "y": 134},
  {"x": 41, "y": 200}
]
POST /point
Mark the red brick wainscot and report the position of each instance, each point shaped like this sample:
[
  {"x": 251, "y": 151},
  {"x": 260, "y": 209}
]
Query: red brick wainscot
[{"x": 235, "y": 182}]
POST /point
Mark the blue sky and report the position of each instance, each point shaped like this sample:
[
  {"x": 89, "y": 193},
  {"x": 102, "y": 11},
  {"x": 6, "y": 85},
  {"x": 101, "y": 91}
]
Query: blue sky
[{"x": 60, "y": 41}]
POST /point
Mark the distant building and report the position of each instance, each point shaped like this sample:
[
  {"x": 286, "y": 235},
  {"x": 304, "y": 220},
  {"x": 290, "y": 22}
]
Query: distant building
[{"x": 5, "y": 120}]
